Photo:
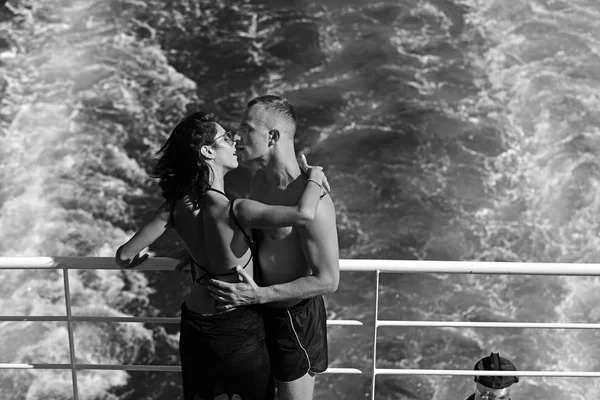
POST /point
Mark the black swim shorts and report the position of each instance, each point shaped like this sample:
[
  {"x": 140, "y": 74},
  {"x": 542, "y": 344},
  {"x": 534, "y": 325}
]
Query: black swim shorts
[
  {"x": 225, "y": 354},
  {"x": 297, "y": 339}
]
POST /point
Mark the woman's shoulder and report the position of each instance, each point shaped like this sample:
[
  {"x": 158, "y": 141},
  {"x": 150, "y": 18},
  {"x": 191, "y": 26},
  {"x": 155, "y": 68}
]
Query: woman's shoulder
[{"x": 216, "y": 206}]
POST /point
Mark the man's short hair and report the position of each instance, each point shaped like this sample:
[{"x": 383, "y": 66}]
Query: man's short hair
[{"x": 277, "y": 105}]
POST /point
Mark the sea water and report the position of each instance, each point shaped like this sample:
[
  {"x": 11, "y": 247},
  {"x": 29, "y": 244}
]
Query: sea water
[{"x": 449, "y": 130}]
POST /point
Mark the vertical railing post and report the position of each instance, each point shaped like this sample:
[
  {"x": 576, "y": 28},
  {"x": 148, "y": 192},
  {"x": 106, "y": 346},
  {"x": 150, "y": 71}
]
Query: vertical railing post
[
  {"x": 70, "y": 331},
  {"x": 375, "y": 325}
]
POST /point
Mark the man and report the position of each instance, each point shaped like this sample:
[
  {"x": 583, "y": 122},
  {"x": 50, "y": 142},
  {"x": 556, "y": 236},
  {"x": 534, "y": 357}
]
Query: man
[
  {"x": 493, "y": 387},
  {"x": 297, "y": 264}
]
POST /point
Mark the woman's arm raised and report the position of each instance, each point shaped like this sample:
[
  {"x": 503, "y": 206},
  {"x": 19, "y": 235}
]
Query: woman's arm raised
[{"x": 257, "y": 215}]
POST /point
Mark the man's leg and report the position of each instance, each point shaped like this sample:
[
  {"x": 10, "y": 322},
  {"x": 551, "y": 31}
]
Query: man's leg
[
  {"x": 297, "y": 343},
  {"x": 300, "y": 389}
]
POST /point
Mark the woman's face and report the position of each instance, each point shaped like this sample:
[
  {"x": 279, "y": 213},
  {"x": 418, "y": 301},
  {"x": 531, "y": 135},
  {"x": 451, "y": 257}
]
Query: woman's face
[{"x": 225, "y": 149}]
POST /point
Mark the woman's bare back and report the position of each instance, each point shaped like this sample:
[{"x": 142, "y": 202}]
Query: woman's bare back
[{"x": 216, "y": 245}]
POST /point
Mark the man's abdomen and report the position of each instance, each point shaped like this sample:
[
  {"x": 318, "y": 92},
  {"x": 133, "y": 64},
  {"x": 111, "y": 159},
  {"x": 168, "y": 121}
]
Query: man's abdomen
[{"x": 282, "y": 261}]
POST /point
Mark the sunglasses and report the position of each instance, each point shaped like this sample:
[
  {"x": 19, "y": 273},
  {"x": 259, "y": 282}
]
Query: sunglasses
[{"x": 228, "y": 136}]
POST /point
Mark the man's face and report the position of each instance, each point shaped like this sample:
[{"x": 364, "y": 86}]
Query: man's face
[
  {"x": 485, "y": 393},
  {"x": 253, "y": 135}
]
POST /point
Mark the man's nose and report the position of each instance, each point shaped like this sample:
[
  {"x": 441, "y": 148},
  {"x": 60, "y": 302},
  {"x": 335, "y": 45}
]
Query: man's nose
[{"x": 236, "y": 137}]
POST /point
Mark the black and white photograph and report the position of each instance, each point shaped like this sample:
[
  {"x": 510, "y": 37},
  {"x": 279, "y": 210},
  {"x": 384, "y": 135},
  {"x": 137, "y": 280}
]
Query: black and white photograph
[{"x": 299, "y": 199}]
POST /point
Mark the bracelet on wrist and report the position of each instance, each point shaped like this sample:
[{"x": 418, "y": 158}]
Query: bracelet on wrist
[
  {"x": 312, "y": 180},
  {"x": 323, "y": 191}
]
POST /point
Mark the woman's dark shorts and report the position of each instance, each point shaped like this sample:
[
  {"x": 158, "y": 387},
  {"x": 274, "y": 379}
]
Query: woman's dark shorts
[
  {"x": 225, "y": 354},
  {"x": 297, "y": 339}
]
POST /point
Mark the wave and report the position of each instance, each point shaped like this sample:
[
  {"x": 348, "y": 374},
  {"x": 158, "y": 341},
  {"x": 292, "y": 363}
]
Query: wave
[
  {"x": 450, "y": 130},
  {"x": 89, "y": 102}
]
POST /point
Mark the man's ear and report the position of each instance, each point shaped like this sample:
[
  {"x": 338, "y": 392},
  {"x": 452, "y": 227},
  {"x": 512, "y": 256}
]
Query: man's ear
[
  {"x": 274, "y": 136},
  {"x": 207, "y": 152}
]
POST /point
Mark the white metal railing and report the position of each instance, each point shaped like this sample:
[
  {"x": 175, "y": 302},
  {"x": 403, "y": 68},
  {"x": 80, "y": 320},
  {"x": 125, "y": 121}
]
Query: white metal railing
[{"x": 377, "y": 266}]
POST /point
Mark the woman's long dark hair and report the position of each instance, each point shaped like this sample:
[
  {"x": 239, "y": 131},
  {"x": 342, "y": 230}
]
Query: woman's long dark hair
[{"x": 180, "y": 168}]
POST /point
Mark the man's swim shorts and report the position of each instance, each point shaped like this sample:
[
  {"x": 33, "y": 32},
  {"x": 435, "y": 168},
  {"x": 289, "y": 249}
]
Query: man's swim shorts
[{"x": 297, "y": 339}]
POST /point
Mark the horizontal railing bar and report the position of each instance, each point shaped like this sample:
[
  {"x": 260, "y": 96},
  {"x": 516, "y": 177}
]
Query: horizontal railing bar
[
  {"x": 151, "y": 368},
  {"x": 112, "y": 367},
  {"x": 470, "y": 267},
  {"x": 569, "y": 374},
  {"x": 130, "y": 367},
  {"x": 378, "y": 371},
  {"x": 34, "y": 366},
  {"x": 344, "y": 322},
  {"x": 451, "y": 324},
  {"x": 102, "y": 263},
  {"x": 36, "y": 318},
  {"x": 342, "y": 371},
  {"x": 147, "y": 320},
  {"x": 390, "y": 266},
  {"x": 177, "y": 368},
  {"x": 33, "y": 318}
]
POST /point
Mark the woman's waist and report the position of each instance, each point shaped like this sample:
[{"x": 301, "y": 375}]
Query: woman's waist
[
  {"x": 249, "y": 315},
  {"x": 200, "y": 301},
  {"x": 203, "y": 274}
]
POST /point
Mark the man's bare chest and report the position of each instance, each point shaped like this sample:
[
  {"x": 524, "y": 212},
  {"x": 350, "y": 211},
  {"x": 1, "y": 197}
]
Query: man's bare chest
[{"x": 279, "y": 198}]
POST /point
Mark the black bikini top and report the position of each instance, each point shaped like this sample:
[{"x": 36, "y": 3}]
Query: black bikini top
[{"x": 207, "y": 274}]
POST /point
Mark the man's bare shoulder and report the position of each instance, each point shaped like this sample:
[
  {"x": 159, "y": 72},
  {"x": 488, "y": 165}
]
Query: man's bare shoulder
[
  {"x": 326, "y": 208},
  {"x": 326, "y": 198}
]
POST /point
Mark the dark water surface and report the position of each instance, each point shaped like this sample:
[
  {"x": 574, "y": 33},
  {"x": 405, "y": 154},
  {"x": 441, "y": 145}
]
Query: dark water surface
[{"x": 450, "y": 130}]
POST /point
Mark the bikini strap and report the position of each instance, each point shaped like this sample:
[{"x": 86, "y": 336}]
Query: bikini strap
[
  {"x": 250, "y": 243},
  {"x": 237, "y": 222},
  {"x": 209, "y": 274},
  {"x": 171, "y": 217},
  {"x": 232, "y": 213},
  {"x": 218, "y": 191}
]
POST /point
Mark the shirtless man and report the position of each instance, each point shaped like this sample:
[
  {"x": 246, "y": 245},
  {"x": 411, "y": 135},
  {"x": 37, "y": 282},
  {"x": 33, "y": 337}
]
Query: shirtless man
[{"x": 297, "y": 264}]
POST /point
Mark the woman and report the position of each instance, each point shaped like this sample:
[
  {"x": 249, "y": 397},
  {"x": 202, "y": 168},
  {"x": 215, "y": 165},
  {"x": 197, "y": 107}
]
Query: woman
[{"x": 221, "y": 353}]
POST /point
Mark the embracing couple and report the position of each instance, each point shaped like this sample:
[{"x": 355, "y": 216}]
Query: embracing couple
[{"x": 255, "y": 318}]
